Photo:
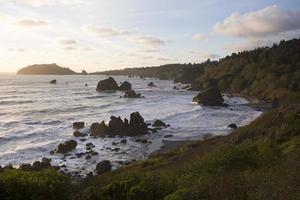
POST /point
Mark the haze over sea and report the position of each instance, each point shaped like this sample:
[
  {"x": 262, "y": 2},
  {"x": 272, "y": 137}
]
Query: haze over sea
[{"x": 36, "y": 116}]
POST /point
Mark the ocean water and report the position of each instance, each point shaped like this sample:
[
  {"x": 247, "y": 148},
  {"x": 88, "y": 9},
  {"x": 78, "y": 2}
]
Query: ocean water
[{"x": 36, "y": 116}]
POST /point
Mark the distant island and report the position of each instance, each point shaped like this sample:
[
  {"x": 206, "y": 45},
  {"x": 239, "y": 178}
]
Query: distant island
[{"x": 47, "y": 69}]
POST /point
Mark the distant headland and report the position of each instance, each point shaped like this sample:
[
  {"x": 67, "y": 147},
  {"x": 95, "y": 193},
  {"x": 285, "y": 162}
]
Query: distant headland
[{"x": 48, "y": 69}]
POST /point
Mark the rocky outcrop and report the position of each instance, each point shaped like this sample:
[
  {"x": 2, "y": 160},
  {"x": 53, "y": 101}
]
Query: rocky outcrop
[
  {"x": 132, "y": 94},
  {"x": 79, "y": 134},
  {"x": 45, "y": 69},
  {"x": 37, "y": 165},
  {"x": 53, "y": 82},
  {"x": 116, "y": 126},
  {"x": 66, "y": 147},
  {"x": 151, "y": 84},
  {"x": 104, "y": 166},
  {"x": 78, "y": 125},
  {"x": 210, "y": 97},
  {"x": 107, "y": 84},
  {"x": 125, "y": 86},
  {"x": 84, "y": 72},
  {"x": 99, "y": 130},
  {"x": 159, "y": 123},
  {"x": 233, "y": 126},
  {"x": 137, "y": 124}
]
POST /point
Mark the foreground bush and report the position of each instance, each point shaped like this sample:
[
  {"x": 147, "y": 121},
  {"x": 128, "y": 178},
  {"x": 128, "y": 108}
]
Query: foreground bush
[{"x": 43, "y": 185}]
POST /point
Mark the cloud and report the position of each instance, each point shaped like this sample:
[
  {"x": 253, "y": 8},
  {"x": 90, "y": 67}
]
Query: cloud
[
  {"x": 70, "y": 48},
  {"x": 267, "y": 21},
  {"x": 163, "y": 59},
  {"x": 252, "y": 43},
  {"x": 105, "y": 32},
  {"x": 15, "y": 50},
  {"x": 31, "y": 23},
  {"x": 199, "y": 37},
  {"x": 67, "y": 42},
  {"x": 147, "y": 41},
  {"x": 38, "y": 3},
  {"x": 209, "y": 56}
]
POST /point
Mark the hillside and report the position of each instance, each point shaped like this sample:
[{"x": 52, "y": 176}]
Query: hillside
[
  {"x": 263, "y": 72},
  {"x": 45, "y": 69}
]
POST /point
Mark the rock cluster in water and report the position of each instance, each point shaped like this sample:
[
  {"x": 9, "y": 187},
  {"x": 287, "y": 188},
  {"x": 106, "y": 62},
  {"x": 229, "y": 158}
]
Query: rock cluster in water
[
  {"x": 110, "y": 84},
  {"x": 134, "y": 127},
  {"x": 107, "y": 84},
  {"x": 132, "y": 94},
  {"x": 210, "y": 97}
]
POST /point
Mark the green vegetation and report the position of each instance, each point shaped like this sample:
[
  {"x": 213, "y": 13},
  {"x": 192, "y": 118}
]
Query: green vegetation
[
  {"x": 45, "y": 69},
  {"x": 33, "y": 185}
]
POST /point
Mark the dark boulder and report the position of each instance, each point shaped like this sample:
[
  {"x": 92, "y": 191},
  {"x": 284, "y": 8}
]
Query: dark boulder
[
  {"x": 125, "y": 86},
  {"x": 233, "y": 126},
  {"x": 53, "y": 82},
  {"x": 275, "y": 103},
  {"x": 168, "y": 136},
  {"x": 90, "y": 145},
  {"x": 151, "y": 84},
  {"x": 137, "y": 124},
  {"x": 99, "y": 130},
  {"x": 25, "y": 167},
  {"x": 131, "y": 94},
  {"x": 79, "y": 134},
  {"x": 210, "y": 97},
  {"x": 116, "y": 126},
  {"x": 78, "y": 125},
  {"x": 66, "y": 146},
  {"x": 38, "y": 166},
  {"x": 123, "y": 141},
  {"x": 104, "y": 166},
  {"x": 107, "y": 84},
  {"x": 159, "y": 123}
]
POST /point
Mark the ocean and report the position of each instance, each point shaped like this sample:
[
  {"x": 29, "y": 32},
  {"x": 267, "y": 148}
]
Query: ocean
[{"x": 36, "y": 116}]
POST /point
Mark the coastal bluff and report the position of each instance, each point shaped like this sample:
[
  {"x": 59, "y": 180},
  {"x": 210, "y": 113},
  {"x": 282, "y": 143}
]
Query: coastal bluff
[{"x": 45, "y": 69}]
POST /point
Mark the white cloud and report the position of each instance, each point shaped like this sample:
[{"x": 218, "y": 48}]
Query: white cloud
[
  {"x": 268, "y": 21},
  {"x": 31, "y": 23},
  {"x": 200, "y": 37},
  {"x": 147, "y": 41},
  {"x": 105, "y": 32},
  {"x": 37, "y": 3},
  {"x": 67, "y": 42},
  {"x": 70, "y": 48},
  {"x": 207, "y": 56}
]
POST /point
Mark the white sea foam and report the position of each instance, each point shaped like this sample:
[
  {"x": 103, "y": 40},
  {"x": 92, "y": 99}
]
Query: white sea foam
[{"x": 36, "y": 116}]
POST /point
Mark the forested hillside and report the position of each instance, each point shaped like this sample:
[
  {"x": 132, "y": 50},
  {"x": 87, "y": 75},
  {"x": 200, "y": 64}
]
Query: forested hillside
[{"x": 260, "y": 72}]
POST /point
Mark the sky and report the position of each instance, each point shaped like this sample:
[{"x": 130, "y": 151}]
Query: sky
[{"x": 98, "y": 35}]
